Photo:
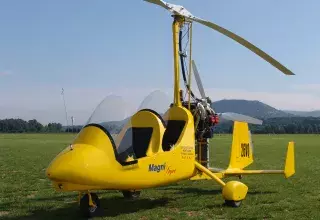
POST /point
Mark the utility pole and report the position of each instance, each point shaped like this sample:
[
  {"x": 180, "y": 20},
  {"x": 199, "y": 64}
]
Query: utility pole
[
  {"x": 65, "y": 108},
  {"x": 72, "y": 121}
]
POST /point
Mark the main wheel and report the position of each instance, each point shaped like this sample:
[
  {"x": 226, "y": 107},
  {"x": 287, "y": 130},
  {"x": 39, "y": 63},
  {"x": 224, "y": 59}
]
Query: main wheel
[
  {"x": 233, "y": 203},
  {"x": 131, "y": 194},
  {"x": 86, "y": 209}
]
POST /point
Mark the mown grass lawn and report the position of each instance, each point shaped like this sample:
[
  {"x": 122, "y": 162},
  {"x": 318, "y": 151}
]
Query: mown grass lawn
[{"x": 25, "y": 193}]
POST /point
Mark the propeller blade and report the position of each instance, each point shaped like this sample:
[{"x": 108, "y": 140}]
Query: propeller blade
[
  {"x": 198, "y": 80},
  {"x": 180, "y": 10},
  {"x": 239, "y": 117}
]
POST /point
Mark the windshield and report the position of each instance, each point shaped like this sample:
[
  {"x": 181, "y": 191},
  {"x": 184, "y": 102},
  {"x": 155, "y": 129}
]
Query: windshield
[
  {"x": 158, "y": 101},
  {"x": 111, "y": 114},
  {"x": 132, "y": 131}
]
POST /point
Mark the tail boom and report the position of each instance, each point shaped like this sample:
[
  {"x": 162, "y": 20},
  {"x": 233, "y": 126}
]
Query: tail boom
[{"x": 242, "y": 155}]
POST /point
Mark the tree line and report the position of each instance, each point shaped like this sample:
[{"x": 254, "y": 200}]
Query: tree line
[
  {"x": 283, "y": 125},
  {"x": 31, "y": 126}
]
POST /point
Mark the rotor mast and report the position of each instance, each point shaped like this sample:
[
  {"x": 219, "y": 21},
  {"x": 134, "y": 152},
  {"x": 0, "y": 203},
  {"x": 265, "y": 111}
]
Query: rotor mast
[{"x": 176, "y": 25}]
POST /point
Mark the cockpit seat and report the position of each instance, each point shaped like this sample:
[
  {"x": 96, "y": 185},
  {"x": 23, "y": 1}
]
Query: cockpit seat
[
  {"x": 141, "y": 136},
  {"x": 176, "y": 132},
  {"x": 172, "y": 133}
]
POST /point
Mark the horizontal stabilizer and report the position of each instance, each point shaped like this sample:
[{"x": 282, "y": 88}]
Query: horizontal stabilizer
[{"x": 288, "y": 171}]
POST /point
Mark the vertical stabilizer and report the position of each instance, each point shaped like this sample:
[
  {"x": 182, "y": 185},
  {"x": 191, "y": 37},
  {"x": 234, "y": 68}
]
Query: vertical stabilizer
[
  {"x": 242, "y": 148},
  {"x": 289, "y": 168}
]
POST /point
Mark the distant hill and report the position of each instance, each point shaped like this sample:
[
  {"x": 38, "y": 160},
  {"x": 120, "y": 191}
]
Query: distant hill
[
  {"x": 255, "y": 109},
  {"x": 305, "y": 113}
]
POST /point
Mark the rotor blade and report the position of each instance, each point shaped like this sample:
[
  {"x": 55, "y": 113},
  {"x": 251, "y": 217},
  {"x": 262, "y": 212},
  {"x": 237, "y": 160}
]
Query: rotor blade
[
  {"x": 239, "y": 117},
  {"x": 174, "y": 9},
  {"x": 198, "y": 80},
  {"x": 159, "y": 2},
  {"x": 181, "y": 11},
  {"x": 247, "y": 44}
]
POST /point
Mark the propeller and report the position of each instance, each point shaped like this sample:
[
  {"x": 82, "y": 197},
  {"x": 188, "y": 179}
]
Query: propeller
[
  {"x": 225, "y": 115},
  {"x": 198, "y": 80},
  {"x": 181, "y": 11}
]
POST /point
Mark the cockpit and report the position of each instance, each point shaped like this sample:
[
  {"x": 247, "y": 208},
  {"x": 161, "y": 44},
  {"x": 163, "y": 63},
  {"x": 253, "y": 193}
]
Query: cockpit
[{"x": 154, "y": 127}]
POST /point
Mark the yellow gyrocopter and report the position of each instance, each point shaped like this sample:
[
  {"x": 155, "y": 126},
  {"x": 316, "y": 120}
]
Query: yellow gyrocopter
[{"x": 152, "y": 148}]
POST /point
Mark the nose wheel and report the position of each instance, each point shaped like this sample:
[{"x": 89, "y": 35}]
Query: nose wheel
[
  {"x": 233, "y": 203},
  {"x": 90, "y": 205},
  {"x": 131, "y": 194}
]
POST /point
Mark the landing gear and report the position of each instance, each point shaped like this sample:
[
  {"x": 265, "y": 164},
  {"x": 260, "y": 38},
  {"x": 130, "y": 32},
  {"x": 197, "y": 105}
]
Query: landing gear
[
  {"x": 234, "y": 193},
  {"x": 90, "y": 205},
  {"x": 131, "y": 194},
  {"x": 233, "y": 203}
]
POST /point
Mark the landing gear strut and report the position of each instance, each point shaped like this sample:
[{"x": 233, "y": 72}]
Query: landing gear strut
[{"x": 90, "y": 205}]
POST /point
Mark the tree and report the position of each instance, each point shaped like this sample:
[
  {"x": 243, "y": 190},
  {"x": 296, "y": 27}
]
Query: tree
[
  {"x": 310, "y": 129},
  {"x": 34, "y": 126}
]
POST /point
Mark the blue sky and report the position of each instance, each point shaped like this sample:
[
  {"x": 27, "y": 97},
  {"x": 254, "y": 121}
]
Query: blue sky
[{"x": 92, "y": 48}]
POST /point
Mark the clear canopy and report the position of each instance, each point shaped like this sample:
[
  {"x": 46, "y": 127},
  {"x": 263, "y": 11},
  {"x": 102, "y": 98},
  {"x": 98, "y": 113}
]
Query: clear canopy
[
  {"x": 114, "y": 116},
  {"x": 157, "y": 100}
]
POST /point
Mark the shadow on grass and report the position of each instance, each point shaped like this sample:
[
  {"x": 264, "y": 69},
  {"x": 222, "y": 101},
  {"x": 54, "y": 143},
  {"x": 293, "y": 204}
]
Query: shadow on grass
[
  {"x": 110, "y": 207},
  {"x": 200, "y": 191},
  {"x": 250, "y": 193},
  {"x": 192, "y": 190}
]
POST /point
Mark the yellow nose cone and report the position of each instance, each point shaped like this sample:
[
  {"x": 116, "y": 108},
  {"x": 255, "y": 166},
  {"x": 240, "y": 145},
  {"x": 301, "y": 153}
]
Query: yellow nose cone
[
  {"x": 90, "y": 160},
  {"x": 77, "y": 165}
]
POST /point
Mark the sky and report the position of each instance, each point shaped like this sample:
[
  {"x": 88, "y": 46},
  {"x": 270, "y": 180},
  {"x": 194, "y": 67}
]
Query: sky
[{"x": 95, "y": 48}]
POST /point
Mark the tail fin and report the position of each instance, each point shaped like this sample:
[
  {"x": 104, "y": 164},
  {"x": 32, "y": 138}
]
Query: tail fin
[
  {"x": 242, "y": 155},
  {"x": 242, "y": 149},
  {"x": 289, "y": 168}
]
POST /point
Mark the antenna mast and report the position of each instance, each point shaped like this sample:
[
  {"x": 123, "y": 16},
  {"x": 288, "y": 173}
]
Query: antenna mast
[{"x": 65, "y": 107}]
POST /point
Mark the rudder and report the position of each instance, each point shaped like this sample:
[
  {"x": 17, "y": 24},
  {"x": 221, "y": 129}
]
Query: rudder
[{"x": 242, "y": 149}]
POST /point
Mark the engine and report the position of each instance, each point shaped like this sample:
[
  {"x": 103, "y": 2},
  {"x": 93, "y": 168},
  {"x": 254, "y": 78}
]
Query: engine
[{"x": 205, "y": 119}]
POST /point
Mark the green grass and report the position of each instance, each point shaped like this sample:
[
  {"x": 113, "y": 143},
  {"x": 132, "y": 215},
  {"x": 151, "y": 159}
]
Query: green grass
[{"x": 25, "y": 193}]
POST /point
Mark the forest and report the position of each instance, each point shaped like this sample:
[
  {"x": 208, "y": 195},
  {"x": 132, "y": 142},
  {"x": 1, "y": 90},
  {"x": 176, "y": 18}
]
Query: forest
[{"x": 31, "y": 126}]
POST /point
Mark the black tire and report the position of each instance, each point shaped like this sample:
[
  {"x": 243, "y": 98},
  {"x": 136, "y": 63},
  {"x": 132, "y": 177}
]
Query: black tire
[
  {"x": 86, "y": 209},
  {"x": 233, "y": 203},
  {"x": 131, "y": 194}
]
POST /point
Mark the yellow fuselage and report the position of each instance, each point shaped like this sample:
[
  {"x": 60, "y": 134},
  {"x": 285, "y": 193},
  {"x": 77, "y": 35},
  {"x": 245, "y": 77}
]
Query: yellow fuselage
[{"x": 91, "y": 162}]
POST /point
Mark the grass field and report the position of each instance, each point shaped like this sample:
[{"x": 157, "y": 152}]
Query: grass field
[{"x": 25, "y": 193}]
